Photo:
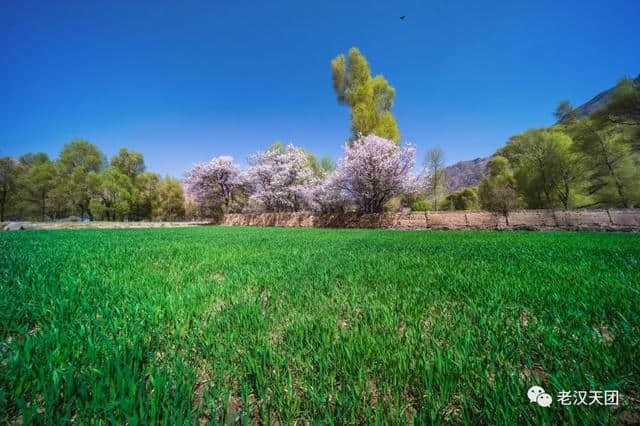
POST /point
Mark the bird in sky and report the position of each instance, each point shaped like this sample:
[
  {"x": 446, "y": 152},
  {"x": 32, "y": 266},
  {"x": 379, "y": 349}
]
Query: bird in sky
[{"x": 402, "y": 17}]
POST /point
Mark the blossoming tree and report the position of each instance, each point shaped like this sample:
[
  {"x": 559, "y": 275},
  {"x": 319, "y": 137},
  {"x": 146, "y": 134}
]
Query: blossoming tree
[
  {"x": 373, "y": 170},
  {"x": 324, "y": 196},
  {"x": 214, "y": 184},
  {"x": 276, "y": 179}
]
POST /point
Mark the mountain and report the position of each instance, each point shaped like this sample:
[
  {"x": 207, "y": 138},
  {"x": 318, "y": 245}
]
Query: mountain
[
  {"x": 465, "y": 173},
  {"x": 471, "y": 172},
  {"x": 597, "y": 102}
]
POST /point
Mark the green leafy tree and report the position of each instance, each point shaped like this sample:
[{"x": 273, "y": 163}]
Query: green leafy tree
[
  {"x": 77, "y": 159},
  {"x": 572, "y": 173},
  {"x": 314, "y": 164},
  {"x": 114, "y": 194},
  {"x": 129, "y": 163},
  {"x": 564, "y": 111},
  {"x": 60, "y": 204},
  {"x": 327, "y": 164},
  {"x": 322, "y": 167},
  {"x": 81, "y": 154},
  {"x": 462, "y": 199},
  {"x": 31, "y": 159},
  {"x": 79, "y": 190},
  {"x": 624, "y": 106},
  {"x": 38, "y": 182},
  {"x": 613, "y": 169},
  {"x": 9, "y": 175},
  {"x": 171, "y": 201},
  {"x": 318, "y": 168},
  {"x": 419, "y": 204},
  {"x": 370, "y": 99},
  {"x": 146, "y": 196},
  {"x": 546, "y": 169},
  {"x": 497, "y": 191},
  {"x": 277, "y": 146},
  {"x": 624, "y": 110}
]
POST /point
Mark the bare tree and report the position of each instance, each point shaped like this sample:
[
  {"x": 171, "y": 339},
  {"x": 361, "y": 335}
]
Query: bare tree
[{"x": 434, "y": 164}]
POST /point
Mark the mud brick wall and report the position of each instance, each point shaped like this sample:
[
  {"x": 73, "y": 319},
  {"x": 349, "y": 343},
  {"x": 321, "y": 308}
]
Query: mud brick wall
[{"x": 586, "y": 219}]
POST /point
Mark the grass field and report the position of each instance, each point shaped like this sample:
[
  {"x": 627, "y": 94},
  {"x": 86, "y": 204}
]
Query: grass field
[{"x": 218, "y": 325}]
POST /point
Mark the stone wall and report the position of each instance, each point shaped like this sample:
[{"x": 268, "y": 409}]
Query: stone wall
[{"x": 585, "y": 219}]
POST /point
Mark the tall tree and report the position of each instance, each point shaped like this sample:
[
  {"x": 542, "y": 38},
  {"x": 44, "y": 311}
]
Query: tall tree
[
  {"x": 171, "y": 202},
  {"x": 38, "y": 182},
  {"x": 497, "y": 191},
  {"x": 129, "y": 163},
  {"x": 614, "y": 173},
  {"x": 624, "y": 106},
  {"x": 546, "y": 170},
  {"x": 563, "y": 111},
  {"x": 370, "y": 99},
  {"x": 113, "y": 195},
  {"x": 215, "y": 185},
  {"x": 434, "y": 164},
  {"x": 77, "y": 159},
  {"x": 9, "y": 173},
  {"x": 145, "y": 197},
  {"x": 60, "y": 197},
  {"x": 81, "y": 154},
  {"x": 276, "y": 180},
  {"x": 372, "y": 171},
  {"x": 624, "y": 109}
]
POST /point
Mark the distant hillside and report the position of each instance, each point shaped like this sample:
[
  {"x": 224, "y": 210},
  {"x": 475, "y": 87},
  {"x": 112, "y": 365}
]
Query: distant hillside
[
  {"x": 597, "y": 102},
  {"x": 465, "y": 173},
  {"x": 471, "y": 172}
]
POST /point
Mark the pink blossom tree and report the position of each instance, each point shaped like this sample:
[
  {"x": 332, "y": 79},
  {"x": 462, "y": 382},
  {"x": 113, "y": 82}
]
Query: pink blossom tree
[
  {"x": 214, "y": 184},
  {"x": 276, "y": 179},
  {"x": 373, "y": 170},
  {"x": 324, "y": 196}
]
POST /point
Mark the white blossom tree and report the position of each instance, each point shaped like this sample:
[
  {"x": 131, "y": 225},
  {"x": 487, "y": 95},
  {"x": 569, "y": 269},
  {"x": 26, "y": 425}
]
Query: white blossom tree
[
  {"x": 373, "y": 170},
  {"x": 276, "y": 179},
  {"x": 214, "y": 184},
  {"x": 323, "y": 195}
]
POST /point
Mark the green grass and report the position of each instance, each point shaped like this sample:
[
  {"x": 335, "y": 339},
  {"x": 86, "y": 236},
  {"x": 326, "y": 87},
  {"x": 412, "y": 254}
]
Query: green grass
[{"x": 218, "y": 325}]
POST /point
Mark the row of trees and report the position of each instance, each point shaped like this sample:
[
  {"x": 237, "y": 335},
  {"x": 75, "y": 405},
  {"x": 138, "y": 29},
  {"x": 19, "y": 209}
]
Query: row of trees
[
  {"x": 82, "y": 183},
  {"x": 371, "y": 172},
  {"x": 579, "y": 162}
]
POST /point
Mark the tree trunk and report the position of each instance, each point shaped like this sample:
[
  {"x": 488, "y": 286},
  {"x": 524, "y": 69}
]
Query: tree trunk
[
  {"x": 43, "y": 205},
  {"x": 566, "y": 196}
]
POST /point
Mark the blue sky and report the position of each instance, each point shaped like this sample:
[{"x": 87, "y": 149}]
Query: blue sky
[{"x": 185, "y": 81}]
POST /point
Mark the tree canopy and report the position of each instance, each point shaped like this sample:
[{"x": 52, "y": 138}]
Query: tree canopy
[{"x": 369, "y": 98}]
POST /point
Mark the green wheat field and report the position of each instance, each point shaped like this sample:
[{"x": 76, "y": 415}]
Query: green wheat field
[{"x": 282, "y": 326}]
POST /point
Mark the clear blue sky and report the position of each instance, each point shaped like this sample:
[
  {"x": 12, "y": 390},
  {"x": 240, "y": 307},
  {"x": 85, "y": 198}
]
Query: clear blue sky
[{"x": 185, "y": 81}]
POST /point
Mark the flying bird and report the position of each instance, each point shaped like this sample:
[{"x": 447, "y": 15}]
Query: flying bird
[{"x": 402, "y": 17}]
